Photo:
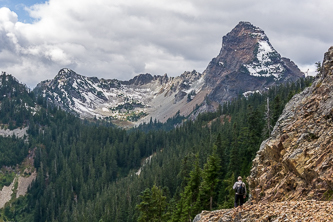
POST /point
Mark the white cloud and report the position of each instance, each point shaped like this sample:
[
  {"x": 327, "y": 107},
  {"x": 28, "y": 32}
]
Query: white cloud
[
  {"x": 122, "y": 38},
  {"x": 7, "y": 17}
]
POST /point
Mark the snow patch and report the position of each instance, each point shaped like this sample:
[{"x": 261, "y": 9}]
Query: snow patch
[
  {"x": 264, "y": 66},
  {"x": 196, "y": 86},
  {"x": 105, "y": 109},
  {"x": 248, "y": 93}
]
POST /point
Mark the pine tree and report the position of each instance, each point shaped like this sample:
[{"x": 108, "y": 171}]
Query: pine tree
[
  {"x": 145, "y": 205},
  {"x": 255, "y": 126},
  {"x": 210, "y": 180},
  {"x": 277, "y": 109},
  {"x": 186, "y": 207},
  {"x": 234, "y": 157},
  {"x": 220, "y": 149},
  {"x": 152, "y": 206},
  {"x": 268, "y": 119},
  {"x": 229, "y": 192},
  {"x": 159, "y": 203}
]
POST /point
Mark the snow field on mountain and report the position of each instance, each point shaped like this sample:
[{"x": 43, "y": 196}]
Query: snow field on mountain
[{"x": 265, "y": 68}]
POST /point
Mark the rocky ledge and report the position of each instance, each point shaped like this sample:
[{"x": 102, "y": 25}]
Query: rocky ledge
[{"x": 310, "y": 210}]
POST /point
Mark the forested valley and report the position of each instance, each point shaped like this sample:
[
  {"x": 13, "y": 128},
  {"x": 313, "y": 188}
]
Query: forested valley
[{"x": 94, "y": 171}]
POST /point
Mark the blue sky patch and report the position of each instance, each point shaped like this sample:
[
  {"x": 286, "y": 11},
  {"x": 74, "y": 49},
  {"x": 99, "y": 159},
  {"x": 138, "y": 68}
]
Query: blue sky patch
[{"x": 18, "y": 6}]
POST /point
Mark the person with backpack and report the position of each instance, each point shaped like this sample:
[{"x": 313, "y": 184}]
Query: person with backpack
[{"x": 240, "y": 192}]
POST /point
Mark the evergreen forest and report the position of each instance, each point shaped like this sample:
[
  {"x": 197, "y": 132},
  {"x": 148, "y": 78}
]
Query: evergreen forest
[{"x": 95, "y": 171}]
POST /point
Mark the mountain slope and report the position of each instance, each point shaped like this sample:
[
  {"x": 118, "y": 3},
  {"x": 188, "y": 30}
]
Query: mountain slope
[
  {"x": 17, "y": 107},
  {"x": 247, "y": 63},
  {"x": 16, "y": 103}
]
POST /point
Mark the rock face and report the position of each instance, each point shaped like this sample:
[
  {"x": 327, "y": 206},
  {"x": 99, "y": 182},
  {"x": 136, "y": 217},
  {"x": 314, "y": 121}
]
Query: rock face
[
  {"x": 247, "y": 62},
  {"x": 5, "y": 194},
  {"x": 20, "y": 133},
  {"x": 21, "y": 190},
  {"x": 296, "y": 162},
  {"x": 24, "y": 183}
]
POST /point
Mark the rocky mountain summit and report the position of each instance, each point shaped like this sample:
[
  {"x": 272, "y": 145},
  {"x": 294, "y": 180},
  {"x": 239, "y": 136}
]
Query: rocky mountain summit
[
  {"x": 247, "y": 63},
  {"x": 292, "y": 174}
]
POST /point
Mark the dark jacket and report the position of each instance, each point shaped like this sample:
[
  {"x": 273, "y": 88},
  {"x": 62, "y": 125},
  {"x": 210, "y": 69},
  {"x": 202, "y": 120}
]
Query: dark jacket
[{"x": 239, "y": 182}]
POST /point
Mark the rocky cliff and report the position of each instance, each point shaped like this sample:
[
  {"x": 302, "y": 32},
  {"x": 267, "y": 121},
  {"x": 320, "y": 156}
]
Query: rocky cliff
[{"x": 296, "y": 162}]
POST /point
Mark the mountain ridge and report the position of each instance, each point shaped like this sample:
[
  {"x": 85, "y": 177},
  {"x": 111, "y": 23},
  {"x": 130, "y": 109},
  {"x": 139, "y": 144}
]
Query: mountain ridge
[
  {"x": 247, "y": 63},
  {"x": 91, "y": 96}
]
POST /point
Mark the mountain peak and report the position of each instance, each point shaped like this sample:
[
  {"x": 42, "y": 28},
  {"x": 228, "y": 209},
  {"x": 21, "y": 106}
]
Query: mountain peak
[
  {"x": 247, "y": 62},
  {"x": 246, "y": 28},
  {"x": 243, "y": 37},
  {"x": 141, "y": 79},
  {"x": 65, "y": 74}
]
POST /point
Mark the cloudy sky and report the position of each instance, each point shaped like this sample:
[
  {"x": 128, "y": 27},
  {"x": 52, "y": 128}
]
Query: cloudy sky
[{"x": 122, "y": 38}]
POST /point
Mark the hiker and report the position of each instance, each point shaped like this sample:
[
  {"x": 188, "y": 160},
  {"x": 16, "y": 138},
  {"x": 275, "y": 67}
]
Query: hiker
[{"x": 240, "y": 190}]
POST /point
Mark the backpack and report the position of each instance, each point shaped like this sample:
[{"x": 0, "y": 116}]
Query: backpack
[{"x": 240, "y": 188}]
